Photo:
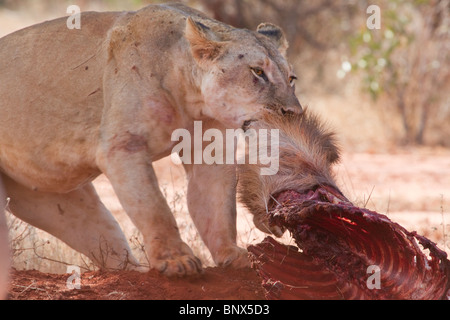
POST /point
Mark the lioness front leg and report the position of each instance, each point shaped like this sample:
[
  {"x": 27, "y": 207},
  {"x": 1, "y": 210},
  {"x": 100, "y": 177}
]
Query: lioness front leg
[
  {"x": 135, "y": 183},
  {"x": 211, "y": 199}
]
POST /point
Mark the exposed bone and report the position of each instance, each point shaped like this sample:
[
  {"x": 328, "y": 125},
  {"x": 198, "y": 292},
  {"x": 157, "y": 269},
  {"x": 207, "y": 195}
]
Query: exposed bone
[{"x": 339, "y": 242}]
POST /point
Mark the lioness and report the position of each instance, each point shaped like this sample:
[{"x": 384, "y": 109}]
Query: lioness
[{"x": 105, "y": 99}]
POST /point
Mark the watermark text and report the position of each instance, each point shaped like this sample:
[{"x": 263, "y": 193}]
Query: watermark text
[
  {"x": 234, "y": 146},
  {"x": 74, "y": 20}
]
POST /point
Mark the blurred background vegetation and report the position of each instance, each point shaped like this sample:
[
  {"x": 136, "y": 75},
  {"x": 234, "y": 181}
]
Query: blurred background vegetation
[{"x": 379, "y": 88}]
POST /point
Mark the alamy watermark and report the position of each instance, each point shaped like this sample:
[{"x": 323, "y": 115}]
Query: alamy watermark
[
  {"x": 74, "y": 20},
  {"x": 374, "y": 280},
  {"x": 374, "y": 20},
  {"x": 231, "y": 146},
  {"x": 74, "y": 280}
]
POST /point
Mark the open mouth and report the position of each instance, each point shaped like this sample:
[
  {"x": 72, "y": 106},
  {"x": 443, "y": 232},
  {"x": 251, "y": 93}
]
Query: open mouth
[
  {"x": 339, "y": 244},
  {"x": 246, "y": 124}
]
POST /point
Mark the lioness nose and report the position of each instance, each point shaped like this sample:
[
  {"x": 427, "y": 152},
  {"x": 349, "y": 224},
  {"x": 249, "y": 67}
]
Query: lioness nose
[{"x": 294, "y": 107}]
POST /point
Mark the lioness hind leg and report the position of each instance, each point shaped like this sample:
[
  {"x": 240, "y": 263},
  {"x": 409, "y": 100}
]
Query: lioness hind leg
[{"x": 78, "y": 218}]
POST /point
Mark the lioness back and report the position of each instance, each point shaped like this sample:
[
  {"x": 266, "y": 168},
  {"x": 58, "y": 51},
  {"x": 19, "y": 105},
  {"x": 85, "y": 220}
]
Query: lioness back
[
  {"x": 51, "y": 97},
  {"x": 52, "y": 91}
]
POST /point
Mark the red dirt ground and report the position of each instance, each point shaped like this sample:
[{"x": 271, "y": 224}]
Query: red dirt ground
[{"x": 214, "y": 284}]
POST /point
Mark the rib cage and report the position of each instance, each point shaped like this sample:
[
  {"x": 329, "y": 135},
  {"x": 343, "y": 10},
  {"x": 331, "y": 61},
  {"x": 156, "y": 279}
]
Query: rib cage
[{"x": 339, "y": 242}]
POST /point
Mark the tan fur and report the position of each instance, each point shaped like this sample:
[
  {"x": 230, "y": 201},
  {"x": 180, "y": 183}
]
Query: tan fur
[
  {"x": 105, "y": 99},
  {"x": 307, "y": 151}
]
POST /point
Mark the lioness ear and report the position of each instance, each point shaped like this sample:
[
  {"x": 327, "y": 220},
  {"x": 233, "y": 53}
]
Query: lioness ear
[
  {"x": 276, "y": 34},
  {"x": 203, "y": 41}
]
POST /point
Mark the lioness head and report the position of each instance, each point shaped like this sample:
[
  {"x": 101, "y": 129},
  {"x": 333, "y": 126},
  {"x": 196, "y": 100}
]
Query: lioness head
[{"x": 243, "y": 71}]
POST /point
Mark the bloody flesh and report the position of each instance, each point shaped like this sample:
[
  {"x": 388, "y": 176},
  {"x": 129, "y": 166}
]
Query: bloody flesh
[{"x": 339, "y": 243}]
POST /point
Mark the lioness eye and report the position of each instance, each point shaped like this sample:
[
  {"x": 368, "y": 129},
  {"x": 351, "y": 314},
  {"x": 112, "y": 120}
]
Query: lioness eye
[
  {"x": 257, "y": 72},
  {"x": 292, "y": 79}
]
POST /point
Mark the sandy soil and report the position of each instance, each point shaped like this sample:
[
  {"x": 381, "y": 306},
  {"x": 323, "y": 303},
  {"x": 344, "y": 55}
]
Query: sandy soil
[{"x": 214, "y": 284}]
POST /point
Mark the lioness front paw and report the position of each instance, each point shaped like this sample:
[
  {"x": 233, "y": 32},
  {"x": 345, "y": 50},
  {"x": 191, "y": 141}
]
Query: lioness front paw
[
  {"x": 234, "y": 257},
  {"x": 176, "y": 262}
]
